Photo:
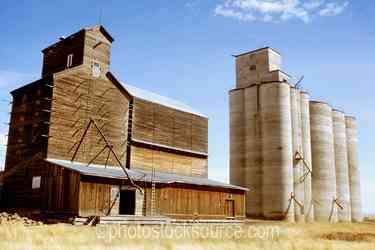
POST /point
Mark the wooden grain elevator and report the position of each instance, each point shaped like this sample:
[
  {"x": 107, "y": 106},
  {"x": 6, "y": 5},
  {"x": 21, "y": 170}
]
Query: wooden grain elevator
[{"x": 83, "y": 143}]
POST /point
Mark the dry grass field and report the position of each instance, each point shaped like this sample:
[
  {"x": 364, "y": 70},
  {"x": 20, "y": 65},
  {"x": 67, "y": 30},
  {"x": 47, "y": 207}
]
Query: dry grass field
[{"x": 252, "y": 235}]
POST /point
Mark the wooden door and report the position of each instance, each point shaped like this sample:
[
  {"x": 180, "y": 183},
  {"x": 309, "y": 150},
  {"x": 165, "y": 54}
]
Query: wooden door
[{"x": 229, "y": 208}]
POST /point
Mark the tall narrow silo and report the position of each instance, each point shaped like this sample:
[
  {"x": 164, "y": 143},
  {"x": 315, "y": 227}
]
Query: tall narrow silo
[
  {"x": 323, "y": 160},
  {"x": 253, "y": 143},
  {"x": 297, "y": 154},
  {"x": 342, "y": 167},
  {"x": 354, "y": 174},
  {"x": 306, "y": 146},
  {"x": 237, "y": 137},
  {"x": 277, "y": 151}
]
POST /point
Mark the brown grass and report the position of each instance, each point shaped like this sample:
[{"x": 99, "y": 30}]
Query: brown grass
[
  {"x": 349, "y": 236},
  {"x": 290, "y": 236},
  {"x": 370, "y": 219}
]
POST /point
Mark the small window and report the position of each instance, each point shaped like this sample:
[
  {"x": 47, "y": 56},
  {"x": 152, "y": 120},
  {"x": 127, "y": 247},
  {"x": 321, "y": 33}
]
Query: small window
[
  {"x": 36, "y": 182},
  {"x": 96, "y": 69},
  {"x": 253, "y": 67},
  {"x": 69, "y": 61}
]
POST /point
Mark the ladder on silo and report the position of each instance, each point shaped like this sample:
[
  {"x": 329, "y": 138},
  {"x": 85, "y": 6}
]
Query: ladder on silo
[{"x": 153, "y": 192}]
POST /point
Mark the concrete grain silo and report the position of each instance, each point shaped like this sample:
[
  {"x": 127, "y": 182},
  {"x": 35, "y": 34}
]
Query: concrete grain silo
[
  {"x": 342, "y": 167},
  {"x": 237, "y": 137},
  {"x": 248, "y": 160},
  {"x": 323, "y": 160},
  {"x": 306, "y": 149},
  {"x": 253, "y": 145},
  {"x": 297, "y": 153},
  {"x": 293, "y": 154},
  {"x": 354, "y": 175},
  {"x": 277, "y": 151}
]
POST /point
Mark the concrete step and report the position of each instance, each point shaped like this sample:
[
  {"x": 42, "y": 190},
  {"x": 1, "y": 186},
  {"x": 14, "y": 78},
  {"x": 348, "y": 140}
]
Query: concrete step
[
  {"x": 132, "y": 219},
  {"x": 206, "y": 221}
]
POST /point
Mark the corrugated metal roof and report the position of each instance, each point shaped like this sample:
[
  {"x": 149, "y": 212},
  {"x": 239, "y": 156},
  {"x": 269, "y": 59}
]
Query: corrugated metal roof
[
  {"x": 162, "y": 100},
  {"x": 137, "y": 174}
]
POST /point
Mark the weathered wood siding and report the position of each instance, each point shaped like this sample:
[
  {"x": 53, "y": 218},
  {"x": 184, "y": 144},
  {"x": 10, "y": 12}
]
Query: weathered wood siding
[
  {"x": 77, "y": 98},
  {"x": 202, "y": 203},
  {"x": 159, "y": 124},
  {"x": 27, "y": 143},
  {"x": 60, "y": 190},
  {"x": 175, "y": 200},
  {"x": 28, "y": 123},
  {"x": 86, "y": 46},
  {"x": 97, "y": 49},
  {"x": 147, "y": 159},
  {"x": 98, "y": 196},
  {"x": 94, "y": 198},
  {"x": 55, "y": 57}
]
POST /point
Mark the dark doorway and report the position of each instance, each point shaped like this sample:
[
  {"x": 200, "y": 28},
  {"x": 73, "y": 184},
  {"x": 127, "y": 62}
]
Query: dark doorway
[{"x": 127, "y": 202}]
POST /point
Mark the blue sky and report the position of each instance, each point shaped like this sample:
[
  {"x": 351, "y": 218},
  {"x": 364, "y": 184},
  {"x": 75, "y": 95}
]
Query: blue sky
[{"x": 183, "y": 49}]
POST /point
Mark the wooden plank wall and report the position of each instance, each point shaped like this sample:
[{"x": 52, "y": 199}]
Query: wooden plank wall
[
  {"x": 77, "y": 97},
  {"x": 97, "y": 195},
  {"x": 60, "y": 190},
  {"x": 205, "y": 203},
  {"x": 94, "y": 198},
  {"x": 26, "y": 141},
  {"x": 28, "y": 123},
  {"x": 97, "y": 48},
  {"x": 163, "y": 125},
  {"x": 18, "y": 183},
  {"x": 146, "y": 159},
  {"x": 55, "y": 58}
]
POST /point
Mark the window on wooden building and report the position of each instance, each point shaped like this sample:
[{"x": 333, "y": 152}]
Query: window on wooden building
[
  {"x": 96, "y": 69},
  {"x": 69, "y": 61},
  {"x": 36, "y": 182}
]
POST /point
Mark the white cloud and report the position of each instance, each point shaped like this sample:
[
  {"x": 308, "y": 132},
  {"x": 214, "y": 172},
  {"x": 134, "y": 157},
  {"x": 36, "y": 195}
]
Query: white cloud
[
  {"x": 279, "y": 10},
  {"x": 333, "y": 9},
  {"x": 227, "y": 12},
  {"x": 312, "y": 5}
]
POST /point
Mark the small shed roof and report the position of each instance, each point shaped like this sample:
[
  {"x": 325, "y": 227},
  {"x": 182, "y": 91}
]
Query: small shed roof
[
  {"x": 138, "y": 175},
  {"x": 159, "y": 99}
]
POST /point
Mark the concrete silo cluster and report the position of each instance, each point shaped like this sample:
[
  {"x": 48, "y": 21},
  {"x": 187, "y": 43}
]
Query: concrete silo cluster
[{"x": 298, "y": 157}]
